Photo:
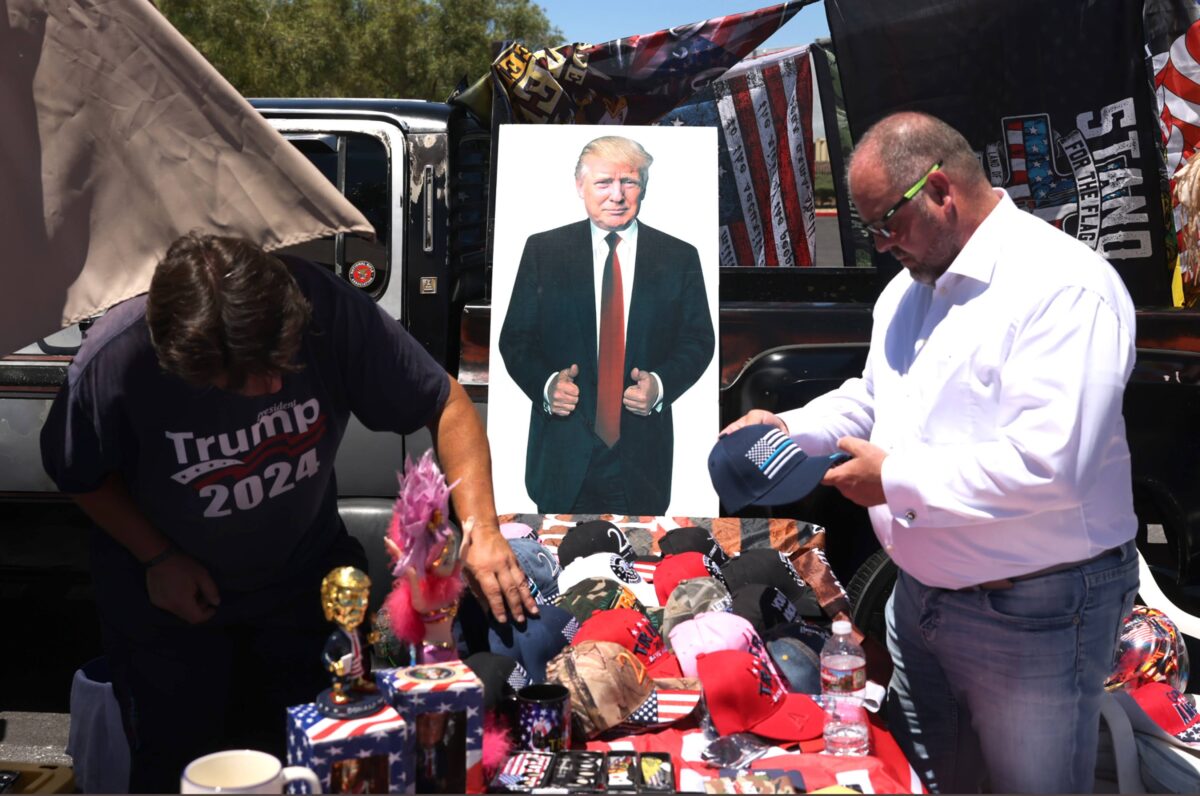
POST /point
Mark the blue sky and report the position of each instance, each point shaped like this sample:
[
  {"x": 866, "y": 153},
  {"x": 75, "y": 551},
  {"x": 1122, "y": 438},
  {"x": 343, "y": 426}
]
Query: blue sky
[{"x": 595, "y": 22}]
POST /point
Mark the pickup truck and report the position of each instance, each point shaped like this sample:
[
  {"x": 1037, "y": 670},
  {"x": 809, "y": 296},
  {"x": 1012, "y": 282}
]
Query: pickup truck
[{"x": 420, "y": 172}]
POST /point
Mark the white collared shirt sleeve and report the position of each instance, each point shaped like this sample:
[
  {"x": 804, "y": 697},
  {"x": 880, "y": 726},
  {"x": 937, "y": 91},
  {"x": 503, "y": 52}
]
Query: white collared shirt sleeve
[
  {"x": 848, "y": 411},
  {"x": 546, "y": 392}
]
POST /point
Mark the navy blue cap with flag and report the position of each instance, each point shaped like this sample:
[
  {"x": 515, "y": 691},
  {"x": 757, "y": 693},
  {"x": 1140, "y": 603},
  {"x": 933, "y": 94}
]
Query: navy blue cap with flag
[
  {"x": 761, "y": 465},
  {"x": 535, "y": 641}
]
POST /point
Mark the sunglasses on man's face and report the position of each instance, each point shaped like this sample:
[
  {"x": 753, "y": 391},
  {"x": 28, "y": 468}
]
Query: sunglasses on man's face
[{"x": 879, "y": 228}]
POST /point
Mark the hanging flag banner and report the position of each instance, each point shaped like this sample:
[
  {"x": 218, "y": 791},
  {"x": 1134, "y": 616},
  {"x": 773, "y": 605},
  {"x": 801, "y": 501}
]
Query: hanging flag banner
[
  {"x": 116, "y": 138},
  {"x": 762, "y": 109},
  {"x": 633, "y": 80},
  {"x": 1051, "y": 93},
  {"x": 689, "y": 75},
  {"x": 1172, "y": 29}
]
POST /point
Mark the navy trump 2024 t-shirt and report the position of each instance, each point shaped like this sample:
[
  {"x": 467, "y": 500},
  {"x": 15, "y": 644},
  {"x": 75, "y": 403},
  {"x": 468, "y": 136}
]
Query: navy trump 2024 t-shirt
[{"x": 245, "y": 485}]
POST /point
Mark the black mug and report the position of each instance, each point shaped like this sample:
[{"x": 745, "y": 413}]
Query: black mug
[{"x": 544, "y": 718}]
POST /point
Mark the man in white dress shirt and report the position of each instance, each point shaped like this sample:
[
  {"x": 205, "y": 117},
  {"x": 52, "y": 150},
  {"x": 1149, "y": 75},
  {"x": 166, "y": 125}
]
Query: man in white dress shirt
[{"x": 990, "y": 449}]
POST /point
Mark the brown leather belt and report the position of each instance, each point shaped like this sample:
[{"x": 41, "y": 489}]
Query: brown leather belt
[{"x": 1007, "y": 583}]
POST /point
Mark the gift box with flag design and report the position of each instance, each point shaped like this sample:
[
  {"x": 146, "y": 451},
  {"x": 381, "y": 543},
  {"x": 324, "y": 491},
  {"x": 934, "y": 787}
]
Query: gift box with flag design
[
  {"x": 443, "y": 703},
  {"x": 366, "y": 754}
]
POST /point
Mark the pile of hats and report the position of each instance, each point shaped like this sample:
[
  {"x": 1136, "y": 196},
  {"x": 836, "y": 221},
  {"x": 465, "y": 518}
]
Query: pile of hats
[{"x": 638, "y": 639}]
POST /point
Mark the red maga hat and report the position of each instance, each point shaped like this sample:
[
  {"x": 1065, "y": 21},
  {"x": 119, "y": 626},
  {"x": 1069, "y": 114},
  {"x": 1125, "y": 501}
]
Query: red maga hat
[
  {"x": 680, "y": 567},
  {"x": 744, "y": 695},
  {"x": 633, "y": 631}
]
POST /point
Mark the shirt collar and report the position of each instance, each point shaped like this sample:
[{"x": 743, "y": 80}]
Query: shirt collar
[
  {"x": 977, "y": 260},
  {"x": 628, "y": 235}
]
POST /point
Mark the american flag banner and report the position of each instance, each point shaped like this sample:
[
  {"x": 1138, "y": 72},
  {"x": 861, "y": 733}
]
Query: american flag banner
[
  {"x": 1172, "y": 30},
  {"x": 632, "y": 80},
  {"x": 762, "y": 109},
  {"x": 372, "y": 750}
]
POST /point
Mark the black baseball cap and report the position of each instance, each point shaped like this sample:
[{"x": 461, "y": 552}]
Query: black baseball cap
[
  {"x": 594, "y": 536},
  {"x": 692, "y": 539},
  {"x": 766, "y": 566},
  {"x": 761, "y": 465},
  {"x": 764, "y": 607}
]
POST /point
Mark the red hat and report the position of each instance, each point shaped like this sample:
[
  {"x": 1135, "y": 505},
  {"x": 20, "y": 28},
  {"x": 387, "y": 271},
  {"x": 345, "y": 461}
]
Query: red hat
[
  {"x": 632, "y": 630},
  {"x": 680, "y": 567},
  {"x": 1172, "y": 711},
  {"x": 744, "y": 695}
]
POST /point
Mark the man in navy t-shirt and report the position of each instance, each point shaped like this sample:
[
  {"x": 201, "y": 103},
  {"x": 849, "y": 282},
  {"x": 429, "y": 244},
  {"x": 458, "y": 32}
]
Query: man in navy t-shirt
[{"x": 198, "y": 428}]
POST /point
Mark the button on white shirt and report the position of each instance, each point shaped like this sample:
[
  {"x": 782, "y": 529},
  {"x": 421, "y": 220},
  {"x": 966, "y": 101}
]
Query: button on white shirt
[{"x": 997, "y": 394}]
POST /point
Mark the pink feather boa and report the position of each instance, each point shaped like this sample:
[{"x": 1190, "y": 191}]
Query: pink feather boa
[
  {"x": 496, "y": 745},
  {"x": 405, "y": 621}
]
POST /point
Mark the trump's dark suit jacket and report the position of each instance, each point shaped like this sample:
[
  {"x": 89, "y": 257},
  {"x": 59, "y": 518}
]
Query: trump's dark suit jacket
[{"x": 551, "y": 323}]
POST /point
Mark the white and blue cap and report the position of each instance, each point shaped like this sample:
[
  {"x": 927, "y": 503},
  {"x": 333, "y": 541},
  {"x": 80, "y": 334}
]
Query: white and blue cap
[
  {"x": 761, "y": 465},
  {"x": 610, "y": 566}
]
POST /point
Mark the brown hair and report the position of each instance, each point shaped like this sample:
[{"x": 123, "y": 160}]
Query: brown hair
[{"x": 224, "y": 307}]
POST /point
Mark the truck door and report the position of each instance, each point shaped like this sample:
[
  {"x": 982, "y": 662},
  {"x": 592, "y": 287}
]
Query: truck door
[{"x": 356, "y": 156}]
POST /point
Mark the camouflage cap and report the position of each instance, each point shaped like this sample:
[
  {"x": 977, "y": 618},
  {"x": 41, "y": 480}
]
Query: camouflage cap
[
  {"x": 691, "y": 597},
  {"x": 655, "y": 615},
  {"x": 610, "y": 688},
  {"x": 596, "y": 594}
]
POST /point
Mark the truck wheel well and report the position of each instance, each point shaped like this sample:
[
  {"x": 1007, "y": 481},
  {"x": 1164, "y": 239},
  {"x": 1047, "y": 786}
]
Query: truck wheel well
[{"x": 868, "y": 591}]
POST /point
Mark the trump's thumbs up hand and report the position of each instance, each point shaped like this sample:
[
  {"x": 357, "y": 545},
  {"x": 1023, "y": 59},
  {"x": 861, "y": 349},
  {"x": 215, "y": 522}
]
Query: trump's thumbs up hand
[
  {"x": 643, "y": 395},
  {"x": 565, "y": 395}
]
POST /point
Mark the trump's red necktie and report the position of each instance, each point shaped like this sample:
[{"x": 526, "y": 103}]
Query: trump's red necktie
[{"x": 610, "y": 379}]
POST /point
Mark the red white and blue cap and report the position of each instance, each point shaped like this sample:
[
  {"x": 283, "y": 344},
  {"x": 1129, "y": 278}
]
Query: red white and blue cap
[
  {"x": 1175, "y": 713},
  {"x": 761, "y": 465}
]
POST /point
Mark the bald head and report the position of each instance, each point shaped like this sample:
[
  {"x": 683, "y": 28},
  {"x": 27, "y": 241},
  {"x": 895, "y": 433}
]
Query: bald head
[{"x": 902, "y": 146}]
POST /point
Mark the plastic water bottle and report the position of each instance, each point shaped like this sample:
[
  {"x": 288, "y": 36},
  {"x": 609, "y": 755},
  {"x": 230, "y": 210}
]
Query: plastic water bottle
[{"x": 843, "y": 686}]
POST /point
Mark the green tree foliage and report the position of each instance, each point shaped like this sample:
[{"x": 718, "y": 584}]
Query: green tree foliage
[{"x": 355, "y": 48}]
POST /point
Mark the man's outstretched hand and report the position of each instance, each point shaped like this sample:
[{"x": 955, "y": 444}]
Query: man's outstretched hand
[{"x": 494, "y": 574}]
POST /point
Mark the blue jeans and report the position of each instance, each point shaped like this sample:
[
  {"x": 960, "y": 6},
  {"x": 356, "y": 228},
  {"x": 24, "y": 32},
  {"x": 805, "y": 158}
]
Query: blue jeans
[{"x": 1002, "y": 687}]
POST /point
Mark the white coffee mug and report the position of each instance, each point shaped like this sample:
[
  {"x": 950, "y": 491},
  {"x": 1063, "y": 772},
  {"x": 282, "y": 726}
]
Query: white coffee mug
[{"x": 243, "y": 771}]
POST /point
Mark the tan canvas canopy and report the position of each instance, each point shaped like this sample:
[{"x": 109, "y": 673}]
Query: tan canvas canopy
[{"x": 116, "y": 137}]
